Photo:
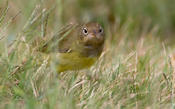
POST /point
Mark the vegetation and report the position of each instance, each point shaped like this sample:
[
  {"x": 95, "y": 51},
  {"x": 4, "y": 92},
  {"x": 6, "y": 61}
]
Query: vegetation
[{"x": 136, "y": 69}]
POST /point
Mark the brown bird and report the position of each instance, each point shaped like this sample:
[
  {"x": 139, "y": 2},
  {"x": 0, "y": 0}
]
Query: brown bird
[{"x": 76, "y": 47}]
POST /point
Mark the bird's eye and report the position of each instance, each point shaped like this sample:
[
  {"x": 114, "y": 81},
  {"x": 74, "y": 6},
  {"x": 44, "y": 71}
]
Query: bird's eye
[
  {"x": 85, "y": 31},
  {"x": 100, "y": 30}
]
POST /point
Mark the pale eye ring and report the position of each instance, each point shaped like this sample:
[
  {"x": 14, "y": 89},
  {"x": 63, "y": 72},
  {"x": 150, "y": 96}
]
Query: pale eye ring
[
  {"x": 100, "y": 30},
  {"x": 85, "y": 31}
]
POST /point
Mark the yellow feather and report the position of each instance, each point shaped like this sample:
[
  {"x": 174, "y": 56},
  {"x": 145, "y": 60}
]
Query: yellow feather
[{"x": 72, "y": 61}]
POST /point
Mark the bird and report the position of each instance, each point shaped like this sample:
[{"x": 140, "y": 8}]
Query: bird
[{"x": 76, "y": 46}]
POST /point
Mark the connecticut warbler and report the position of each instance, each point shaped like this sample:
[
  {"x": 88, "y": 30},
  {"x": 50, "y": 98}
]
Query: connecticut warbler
[{"x": 76, "y": 46}]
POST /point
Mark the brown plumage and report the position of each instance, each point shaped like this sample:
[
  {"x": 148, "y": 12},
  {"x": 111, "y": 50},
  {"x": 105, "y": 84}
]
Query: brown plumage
[{"x": 76, "y": 44}]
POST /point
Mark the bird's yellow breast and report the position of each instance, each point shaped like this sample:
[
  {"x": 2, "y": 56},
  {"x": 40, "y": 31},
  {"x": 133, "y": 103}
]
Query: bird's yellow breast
[{"x": 73, "y": 61}]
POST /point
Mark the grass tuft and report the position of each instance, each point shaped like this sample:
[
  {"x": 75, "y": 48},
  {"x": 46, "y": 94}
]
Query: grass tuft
[{"x": 136, "y": 69}]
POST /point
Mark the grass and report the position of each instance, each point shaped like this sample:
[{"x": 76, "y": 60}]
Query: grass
[{"x": 136, "y": 69}]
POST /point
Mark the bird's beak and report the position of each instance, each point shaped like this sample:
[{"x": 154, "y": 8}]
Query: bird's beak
[{"x": 92, "y": 35}]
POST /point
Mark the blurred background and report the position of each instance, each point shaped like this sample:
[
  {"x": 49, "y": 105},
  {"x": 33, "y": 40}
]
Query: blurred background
[
  {"x": 134, "y": 70},
  {"x": 139, "y": 15}
]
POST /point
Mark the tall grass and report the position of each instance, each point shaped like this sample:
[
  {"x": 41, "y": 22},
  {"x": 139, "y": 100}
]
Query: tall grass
[{"x": 134, "y": 71}]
